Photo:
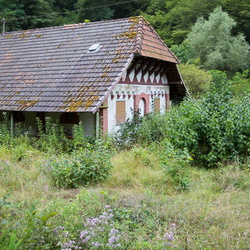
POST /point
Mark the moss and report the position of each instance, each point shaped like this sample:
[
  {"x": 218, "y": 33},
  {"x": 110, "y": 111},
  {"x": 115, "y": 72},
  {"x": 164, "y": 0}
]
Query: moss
[
  {"x": 104, "y": 74},
  {"x": 135, "y": 20},
  {"x": 23, "y": 35},
  {"x": 72, "y": 104},
  {"x": 115, "y": 60},
  {"x": 26, "y": 104},
  {"x": 129, "y": 35}
]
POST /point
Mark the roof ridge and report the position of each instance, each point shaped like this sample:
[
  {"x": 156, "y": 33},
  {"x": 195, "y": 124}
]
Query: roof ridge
[{"x": 74, "y": 25}]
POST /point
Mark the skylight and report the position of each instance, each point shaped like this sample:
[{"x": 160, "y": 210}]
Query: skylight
[{"x": 94, "y": 47}]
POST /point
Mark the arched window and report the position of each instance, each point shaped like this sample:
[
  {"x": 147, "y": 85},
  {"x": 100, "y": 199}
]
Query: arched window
[{"x": 142, "y": 107}]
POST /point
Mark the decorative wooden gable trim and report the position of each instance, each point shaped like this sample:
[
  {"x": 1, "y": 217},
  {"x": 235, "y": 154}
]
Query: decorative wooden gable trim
[{"x": 147, "y": 71}]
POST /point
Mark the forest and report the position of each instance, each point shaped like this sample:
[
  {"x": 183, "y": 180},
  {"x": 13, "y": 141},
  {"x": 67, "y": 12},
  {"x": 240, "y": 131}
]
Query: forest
[
  {"x": 175, "y": 180},
  {"x": 173, "y": 19}
]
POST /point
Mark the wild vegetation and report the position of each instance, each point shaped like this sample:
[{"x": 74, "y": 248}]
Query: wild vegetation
[
  {"x": 176, "y": 180},
  {"x": 180, "y": 180}
]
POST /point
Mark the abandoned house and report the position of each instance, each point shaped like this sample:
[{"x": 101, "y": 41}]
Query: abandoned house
[{"x": 98, "y": 73}]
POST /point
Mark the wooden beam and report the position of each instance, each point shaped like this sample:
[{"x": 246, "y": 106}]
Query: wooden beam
[
  {"x": 166, "y": 69},
  {"x": 12, "y": 123},
  {"x": 143, "y": 63},
  {"x": 130, "y": 69},
  {"x": 155, "y": 66},
  {"x": 160, "y": 68},
  {"x": 97, "y": 125},
  {"x": 144, "y": 71},
  {"x": 175, "y": 82}
]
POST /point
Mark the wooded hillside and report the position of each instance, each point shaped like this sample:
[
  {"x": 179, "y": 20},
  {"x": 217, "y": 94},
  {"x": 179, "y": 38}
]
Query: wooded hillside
[{"x": 173, "y": 19}]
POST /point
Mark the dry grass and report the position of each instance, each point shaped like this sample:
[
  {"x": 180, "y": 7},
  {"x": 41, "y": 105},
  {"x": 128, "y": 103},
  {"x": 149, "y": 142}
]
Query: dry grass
[
  {"x": 214, "y": 214},
  {"x": 136, "y": 169}
]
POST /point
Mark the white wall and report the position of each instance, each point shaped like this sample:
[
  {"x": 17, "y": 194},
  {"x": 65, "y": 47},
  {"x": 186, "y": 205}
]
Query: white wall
[{"x": 124, "y": 90}]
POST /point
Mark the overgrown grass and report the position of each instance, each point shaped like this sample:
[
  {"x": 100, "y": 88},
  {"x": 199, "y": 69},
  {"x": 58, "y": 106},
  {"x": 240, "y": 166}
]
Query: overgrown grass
[
  {"x": 212, "y": 214},
  {"x": 142, "y": 189}
]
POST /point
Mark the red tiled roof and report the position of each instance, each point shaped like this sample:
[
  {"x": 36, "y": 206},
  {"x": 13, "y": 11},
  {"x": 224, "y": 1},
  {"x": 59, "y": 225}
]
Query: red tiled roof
[{"x": 51, "y": 69}]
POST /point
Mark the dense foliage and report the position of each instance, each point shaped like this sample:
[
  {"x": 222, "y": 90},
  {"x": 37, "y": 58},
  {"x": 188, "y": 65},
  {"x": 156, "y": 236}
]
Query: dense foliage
[
  {"x": 213, "y": 129},
  {"x": 211, "y": 41},
  {"x": 173, "y": 19},
  {"x": 89, "y": 166}
]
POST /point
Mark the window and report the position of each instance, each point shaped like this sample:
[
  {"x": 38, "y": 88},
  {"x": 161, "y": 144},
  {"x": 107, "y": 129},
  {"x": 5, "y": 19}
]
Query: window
[
  {"x": 120, "y": 112},
  {"x": 69, "y": 118},
  {"x": 157, "y": 105}
]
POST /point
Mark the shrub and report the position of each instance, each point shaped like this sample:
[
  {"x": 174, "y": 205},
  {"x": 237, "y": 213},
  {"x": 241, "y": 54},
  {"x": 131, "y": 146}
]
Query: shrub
[
  {"x": 51, "y": 137},
  {"x": 79, "y": 141},
  {"x": 175, "y": 164},
  {"x": 196, "y": 79},
  {"x": 152, "y": 128},
  {"x": 88, "y": 166},
  {"x": 127, "y": 135},
  {"x": 213, "y": 129},
  {"x": 5, "y": 134},
  {"x": 241, "y": 83},
  {"x": 142, "y": 130}
]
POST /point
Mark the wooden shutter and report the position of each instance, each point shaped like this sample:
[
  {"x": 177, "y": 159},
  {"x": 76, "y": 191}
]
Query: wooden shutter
[
  {"x": 157, "y": 105},
  {"x": 120, "y": 112}
]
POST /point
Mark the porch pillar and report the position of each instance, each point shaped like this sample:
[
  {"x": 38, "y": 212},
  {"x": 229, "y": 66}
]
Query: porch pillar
[{"x": 97, "y": 125}]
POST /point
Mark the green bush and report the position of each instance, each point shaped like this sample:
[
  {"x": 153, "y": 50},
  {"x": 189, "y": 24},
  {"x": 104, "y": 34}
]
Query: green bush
[
  {"x": 127, "y": 135},
  {"x": 5, "y": 134},
  {"x": 196, "y": 79},
  {"x": 175, "y": 164},
  {"x": 241, "y": 83},
  {"x": 51, "y": 137},
  {"x": 85, "y": 167},
  {"x": 140, "y": 130},
  {"x": 213, "y": 129}
]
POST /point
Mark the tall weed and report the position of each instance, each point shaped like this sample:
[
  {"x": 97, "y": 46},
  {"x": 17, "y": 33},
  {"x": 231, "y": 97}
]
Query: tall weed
[
  {"x": 51, "y": 137},
  {"x": 85, "y": 167}
]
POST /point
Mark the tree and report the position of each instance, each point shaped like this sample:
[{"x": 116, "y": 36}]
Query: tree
[
  {"x": 12, "y": 11},
  {"x": 212, "y": 42},
  {"x": 27, "y": 14},
  {"x": 239, "y": 10},
  {"x": 39, "y": 13},
  {"x": 173, "y": 18},
  {"x": 93, "y": 10}
]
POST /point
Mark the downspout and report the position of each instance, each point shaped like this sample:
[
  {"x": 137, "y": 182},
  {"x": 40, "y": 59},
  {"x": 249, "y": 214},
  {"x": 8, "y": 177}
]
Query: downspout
[
  {"x": 97, "y": 125},
  {"x": 12, "y": 123}
]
